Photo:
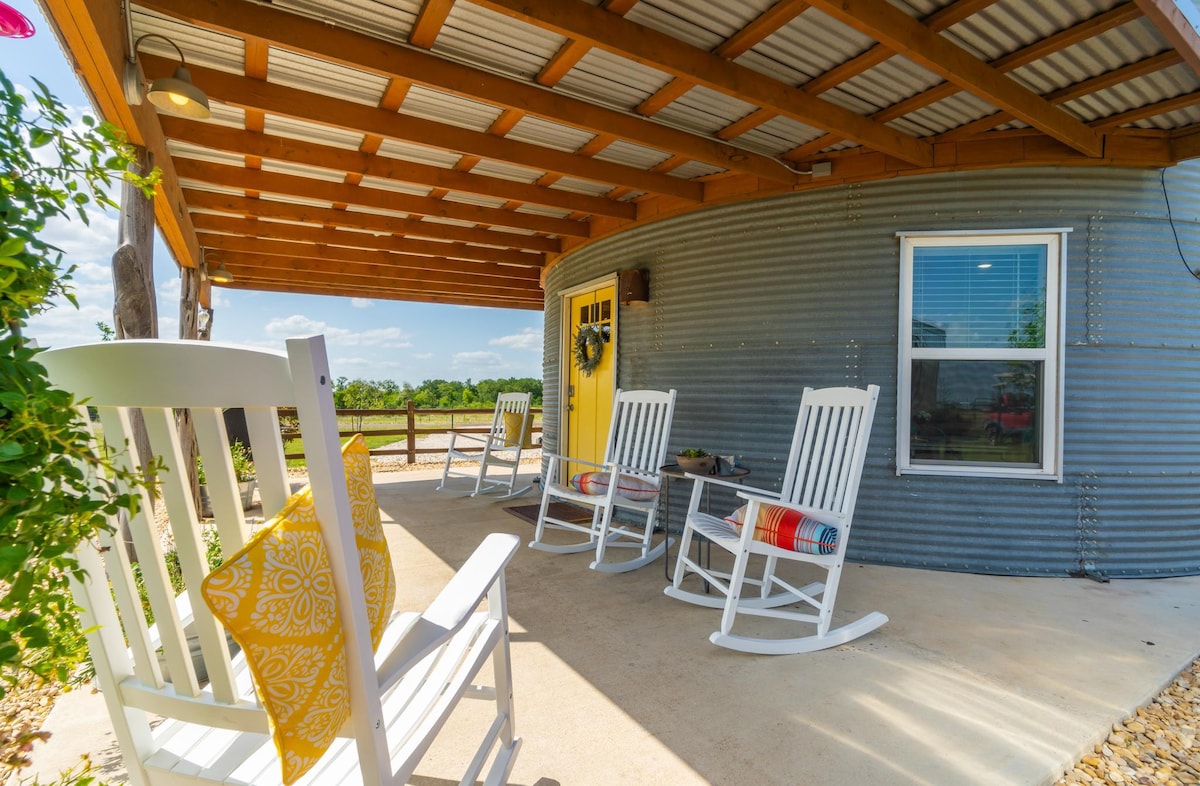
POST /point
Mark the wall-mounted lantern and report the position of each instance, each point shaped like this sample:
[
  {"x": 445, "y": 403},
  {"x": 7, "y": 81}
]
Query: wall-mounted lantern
[{"x": 633, "y": 287}]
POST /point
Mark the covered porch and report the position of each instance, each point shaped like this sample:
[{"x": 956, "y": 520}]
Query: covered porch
[{"x": 976, "y": 679}]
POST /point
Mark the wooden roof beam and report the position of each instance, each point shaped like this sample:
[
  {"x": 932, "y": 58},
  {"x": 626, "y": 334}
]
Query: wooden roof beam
[
  {"x": 324, "y": 110},
  {"x": 298, "y": 151},
  {"x": 339, "y": 45},
  {"x": 312, "y": 267},
  {"x": 766, "y": 24},
  {"x": 396, "y": 293},
  {"x": 1174, "y": 26},
  {"x": 275, "y": 230},
  {"x": 659, "y": 50},
  {"x": 892, "y": 27},
  {"x": 1148, "y": 65},
  {"x": 311, "y": 188},
  {"x": 429, "y": 22},
  {"x": 375, "y": 222},
  {"x": 417, "y": 251}
]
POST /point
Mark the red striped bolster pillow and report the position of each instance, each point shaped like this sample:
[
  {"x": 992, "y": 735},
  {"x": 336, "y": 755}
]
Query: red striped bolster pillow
[
  {"x": 628, "y": 486},
  {"x": 789, "y": 529}
]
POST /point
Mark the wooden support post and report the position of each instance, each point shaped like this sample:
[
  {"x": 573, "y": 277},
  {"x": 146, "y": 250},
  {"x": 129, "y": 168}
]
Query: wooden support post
[{"x": 412, "y": 433}]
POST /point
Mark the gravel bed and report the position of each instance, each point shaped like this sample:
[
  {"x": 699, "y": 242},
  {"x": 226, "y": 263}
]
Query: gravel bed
[{"x": 1156, "y": 745}]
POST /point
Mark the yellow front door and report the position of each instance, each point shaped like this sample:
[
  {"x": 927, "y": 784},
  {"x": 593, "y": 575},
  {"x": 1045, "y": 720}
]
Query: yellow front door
[{"x": 589, "y": 396}]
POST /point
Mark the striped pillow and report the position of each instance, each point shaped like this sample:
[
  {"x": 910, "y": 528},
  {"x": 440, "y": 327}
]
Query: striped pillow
[
  {"x": 789, "y": 529},
  {"x": 628, "y": 486}
]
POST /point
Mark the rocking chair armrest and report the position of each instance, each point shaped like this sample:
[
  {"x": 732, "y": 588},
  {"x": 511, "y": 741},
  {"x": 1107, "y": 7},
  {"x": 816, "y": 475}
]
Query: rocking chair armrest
[
  {"x": 451, "y": 609},
  {"x": 573, "y": 460},
  {"x": 480, "y": 438},
  {"x": 732, "y": 484}
]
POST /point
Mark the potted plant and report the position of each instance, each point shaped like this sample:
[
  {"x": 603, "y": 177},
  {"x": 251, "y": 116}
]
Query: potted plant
[
  {"x": 243, "y": 470},
  {"x": 697, "y": 460}
]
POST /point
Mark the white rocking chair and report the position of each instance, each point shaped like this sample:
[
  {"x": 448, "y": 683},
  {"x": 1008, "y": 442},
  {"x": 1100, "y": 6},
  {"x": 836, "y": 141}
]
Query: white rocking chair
[
  {"x": 199, "y": 719},
  {"x": 629, "y": 479},
  {"x": 500, "y": 448},
  {"x": 813, "y": 513}
]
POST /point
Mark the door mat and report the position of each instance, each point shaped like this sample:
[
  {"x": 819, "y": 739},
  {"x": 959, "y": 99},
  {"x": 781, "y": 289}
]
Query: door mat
[{"x": 557, "y": 510}]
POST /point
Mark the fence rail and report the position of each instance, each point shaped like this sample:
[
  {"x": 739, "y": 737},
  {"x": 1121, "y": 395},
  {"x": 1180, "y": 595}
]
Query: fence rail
[{"x": 409, "y": 432}]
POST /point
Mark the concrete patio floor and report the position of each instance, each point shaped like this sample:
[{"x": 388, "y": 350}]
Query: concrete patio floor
[{"x": 976, "y": 679}]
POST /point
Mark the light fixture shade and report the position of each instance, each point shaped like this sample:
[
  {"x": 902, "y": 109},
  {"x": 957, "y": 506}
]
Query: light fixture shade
[
  {"x": 176, "y": 95},
  {"x": 221, "y": 275}
]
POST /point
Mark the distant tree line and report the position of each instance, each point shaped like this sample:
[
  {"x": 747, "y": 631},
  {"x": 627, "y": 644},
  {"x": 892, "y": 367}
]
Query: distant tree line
[{"x": 430, "y": 394}]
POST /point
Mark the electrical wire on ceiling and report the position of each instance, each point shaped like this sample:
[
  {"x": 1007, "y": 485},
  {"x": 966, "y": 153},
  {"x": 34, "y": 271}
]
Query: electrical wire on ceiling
[{"x": 1162, "y": 180}]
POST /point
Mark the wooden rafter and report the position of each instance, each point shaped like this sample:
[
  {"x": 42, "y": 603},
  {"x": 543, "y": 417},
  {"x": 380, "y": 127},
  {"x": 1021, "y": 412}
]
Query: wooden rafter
[
  {"x": 1174, "y": 26},
  {"x": 370, "y": 54},
  {"x": 895, "y": 29},
  {"x": 385, "y": 269},
  {"x": 429, "y": 22},
  {"x": 386, "y": 222},
  {"x": 658, "y": 50},
  {"x": 274, "y": 230},
  {"x": 362, "y": 288},
  {"x": 327, "y": 157}
]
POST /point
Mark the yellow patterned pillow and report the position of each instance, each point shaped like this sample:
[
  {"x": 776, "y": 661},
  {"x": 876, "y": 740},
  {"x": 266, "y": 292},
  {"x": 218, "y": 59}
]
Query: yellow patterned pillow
[
  {"x": 375, "y": 561},
  {"x": 276, "y": 596},
  {"x": 513, "y": 433}
]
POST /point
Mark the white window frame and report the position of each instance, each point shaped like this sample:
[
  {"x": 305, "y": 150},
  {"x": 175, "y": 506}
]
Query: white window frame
[{"x": 1051, "y": 355}]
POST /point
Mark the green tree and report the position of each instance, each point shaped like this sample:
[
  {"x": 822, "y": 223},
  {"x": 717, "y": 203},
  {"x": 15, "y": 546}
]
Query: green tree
[{"x": 55, "y": 492}]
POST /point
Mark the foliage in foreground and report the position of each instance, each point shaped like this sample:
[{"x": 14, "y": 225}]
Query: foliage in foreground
[{"x": 54, "y": 493}]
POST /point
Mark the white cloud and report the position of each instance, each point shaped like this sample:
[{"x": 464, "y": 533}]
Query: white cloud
[
  {"x": 298, "y": 324},
  {"x": 476, "y": 360},
  {"x": 361, "y": 302},
  {"x": 529, "y": 339}
]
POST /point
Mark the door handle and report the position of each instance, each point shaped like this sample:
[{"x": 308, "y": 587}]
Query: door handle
[{"x": 570, "y": 407}]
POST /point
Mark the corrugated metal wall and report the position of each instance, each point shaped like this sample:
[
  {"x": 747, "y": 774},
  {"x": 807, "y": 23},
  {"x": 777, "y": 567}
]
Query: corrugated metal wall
[{"x": 753, "y": 301}]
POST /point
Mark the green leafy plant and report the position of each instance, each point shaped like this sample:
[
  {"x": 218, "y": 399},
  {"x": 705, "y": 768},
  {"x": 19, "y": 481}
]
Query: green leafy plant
[
  {"x": 243, "y": 466},
  {"x": 56, "y": 493},
  {"x": 693, "y": 453}
]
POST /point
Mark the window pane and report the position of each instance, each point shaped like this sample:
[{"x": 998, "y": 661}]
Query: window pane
[
  {"x": 973, "y": 412},
  {"x": 979, "y": 296}
]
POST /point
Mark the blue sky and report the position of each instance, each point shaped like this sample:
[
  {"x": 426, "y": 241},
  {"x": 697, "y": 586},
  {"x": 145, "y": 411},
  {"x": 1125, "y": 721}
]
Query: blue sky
[{"x": 369, "y": 339}]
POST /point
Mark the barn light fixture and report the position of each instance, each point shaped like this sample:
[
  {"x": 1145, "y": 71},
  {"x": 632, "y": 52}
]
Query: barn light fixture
[
  {"x": 220, "y": 275},
  {"x": 175, "y": 94}
]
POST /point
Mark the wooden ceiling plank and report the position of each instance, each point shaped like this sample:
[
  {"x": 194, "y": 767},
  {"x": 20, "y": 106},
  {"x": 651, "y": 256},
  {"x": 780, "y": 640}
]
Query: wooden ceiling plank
[
  {"x": 356, "y": 219},
  {"x": 407, "y": 295},
  {"x": 566, "y": 58},
  {"x": 939, "y": 21},
  {"x": 321, "y": 236},
  {"x": 1174, "y": 104},
  {"x": 747, "y": 123},
  {"x": 311, "y": 188},
  {"x": 1089, "y": 28},
  {"x": 263, "y": 244},
  {"x": 1171, "y": 22},
  {"x": 360, "y": 51},
  {"x": 311, "y": 265},
  {"x": 429, "y": 22},
  {"x": 280, "y": 148},
  {"x": 895, "y": 29},
  {"x": 736, "y": 45},
  {"x": 760, "y": 28},
  {"x": 659, "y": 50},
  {"x": 291, "y": 102}
]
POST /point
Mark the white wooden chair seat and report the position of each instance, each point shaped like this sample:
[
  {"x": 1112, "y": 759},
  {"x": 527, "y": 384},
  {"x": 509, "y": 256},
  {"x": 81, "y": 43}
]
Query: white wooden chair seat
[
  {"x": 474, "y": 456},
  {"x": 820, "y": 485},
  {"x": 635, "y": 450},
  {"x": 172, "y": 727}
]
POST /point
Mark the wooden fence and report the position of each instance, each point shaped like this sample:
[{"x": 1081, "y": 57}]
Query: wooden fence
[{"x": 409, "y": 433}]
